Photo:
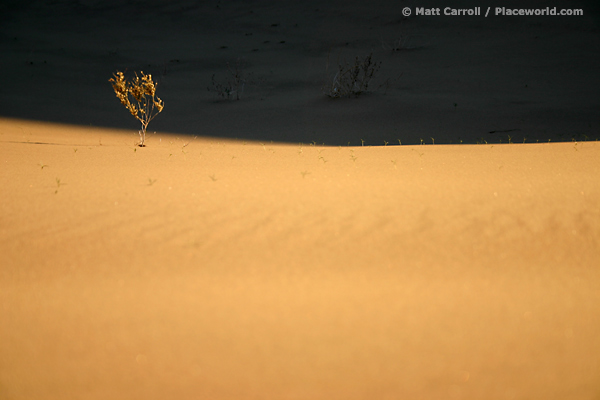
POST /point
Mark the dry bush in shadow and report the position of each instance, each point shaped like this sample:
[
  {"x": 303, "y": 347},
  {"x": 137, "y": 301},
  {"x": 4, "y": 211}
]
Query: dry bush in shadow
[
  {"x": 233, "y": 87},
  {"x": 351, "y": 80}
]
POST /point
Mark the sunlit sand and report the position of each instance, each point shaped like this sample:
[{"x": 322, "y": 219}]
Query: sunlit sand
[
  {"x": 287, "y": 245},
  {"x": 222, "y": 269}
]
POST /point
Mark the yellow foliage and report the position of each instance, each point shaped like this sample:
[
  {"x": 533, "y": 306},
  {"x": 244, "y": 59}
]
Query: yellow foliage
[{"x": 141, "y": 91}]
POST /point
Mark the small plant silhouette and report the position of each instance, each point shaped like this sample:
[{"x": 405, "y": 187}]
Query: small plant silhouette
[
  {"x": 352, "y": 80},
  {"x": 233, "y": 88},
  {"x": 141, "y": 91}
]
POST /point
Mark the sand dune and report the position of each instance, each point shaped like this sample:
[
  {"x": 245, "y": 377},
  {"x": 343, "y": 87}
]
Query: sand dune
[
  {"x": 286, "y": 246},
  {"x": 209, "y": 268}
]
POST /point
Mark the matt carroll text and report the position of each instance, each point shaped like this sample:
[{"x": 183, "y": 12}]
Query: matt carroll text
[
  {"x": 501, "y": 11},
  {"x": 447, "y": 11}
]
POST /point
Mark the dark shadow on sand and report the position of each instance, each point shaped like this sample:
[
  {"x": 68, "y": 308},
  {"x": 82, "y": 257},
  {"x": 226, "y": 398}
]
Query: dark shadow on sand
[{"x": 455, "y": 80}]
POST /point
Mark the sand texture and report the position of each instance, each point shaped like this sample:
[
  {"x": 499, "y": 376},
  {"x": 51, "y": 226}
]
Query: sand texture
[
  {"x": 225, "y": 269},
  {"x": 286, "y": 246}
]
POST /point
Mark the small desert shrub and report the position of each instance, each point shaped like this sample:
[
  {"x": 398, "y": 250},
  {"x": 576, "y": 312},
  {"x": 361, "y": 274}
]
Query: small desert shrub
[
  {"x": 233, "y": 87},
  {"x": 352, "y": 80},
  {"x": 139, "y": 97}
]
